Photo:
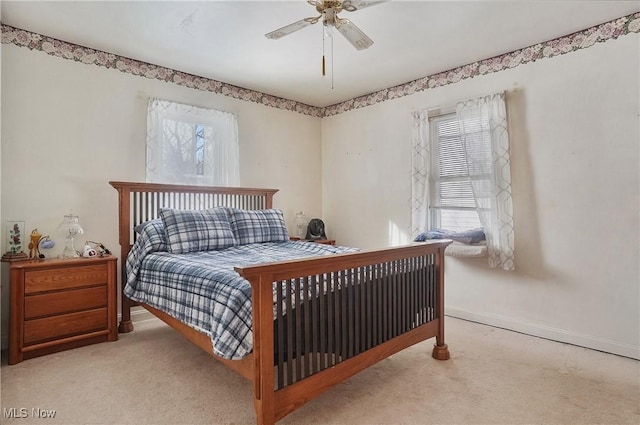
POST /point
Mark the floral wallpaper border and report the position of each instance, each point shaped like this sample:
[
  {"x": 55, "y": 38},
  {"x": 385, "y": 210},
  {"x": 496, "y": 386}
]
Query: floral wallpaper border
[
  {"x": 559, "y": 46},
  {"x": 63, "y": 49}
]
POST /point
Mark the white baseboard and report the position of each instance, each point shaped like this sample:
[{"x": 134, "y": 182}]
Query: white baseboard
[
  {"x": 139, "y": 314},
  {"x": 548, "y": 332}
]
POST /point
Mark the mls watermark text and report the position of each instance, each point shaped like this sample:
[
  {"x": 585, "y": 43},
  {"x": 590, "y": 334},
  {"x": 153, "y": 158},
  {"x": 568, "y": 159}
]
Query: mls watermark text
[{"x": 24, "y": 412}]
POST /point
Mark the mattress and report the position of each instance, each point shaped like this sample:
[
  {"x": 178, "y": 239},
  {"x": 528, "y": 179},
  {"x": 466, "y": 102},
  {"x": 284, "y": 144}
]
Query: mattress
[{"x": 202, "y": 290}]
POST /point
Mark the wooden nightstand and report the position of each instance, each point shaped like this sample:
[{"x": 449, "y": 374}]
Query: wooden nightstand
[
  {"x": 323, "y": 241},
  {"x": 58, "y": 304}
]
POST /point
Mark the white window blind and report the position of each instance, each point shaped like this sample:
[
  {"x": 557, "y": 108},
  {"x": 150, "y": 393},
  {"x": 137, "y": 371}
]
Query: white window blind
[{"x": 452, "y": 205}]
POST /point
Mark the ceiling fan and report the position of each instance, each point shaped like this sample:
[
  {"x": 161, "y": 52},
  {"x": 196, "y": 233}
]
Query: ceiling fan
[{"x": 329, "y": 10}]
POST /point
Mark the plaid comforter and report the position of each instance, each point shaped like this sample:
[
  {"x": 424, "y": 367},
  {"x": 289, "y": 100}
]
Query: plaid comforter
[{"x": 202, "y": 290}]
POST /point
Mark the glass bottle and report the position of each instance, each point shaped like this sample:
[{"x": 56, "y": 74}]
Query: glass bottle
[{"x": 300, "y": 225}]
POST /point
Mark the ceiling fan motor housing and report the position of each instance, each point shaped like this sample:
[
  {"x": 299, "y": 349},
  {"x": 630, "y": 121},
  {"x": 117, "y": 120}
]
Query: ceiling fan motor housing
[
  {"x": 329, "y": 10},
  {"x": 321, "y": 6}
]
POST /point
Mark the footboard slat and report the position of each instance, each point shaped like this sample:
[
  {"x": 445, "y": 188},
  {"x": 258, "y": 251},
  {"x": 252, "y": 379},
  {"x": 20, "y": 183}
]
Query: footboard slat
[
  {"x": 279, "y": 338},
  {"x": 289, "y": 333},
  {"x": 323, "y": 325},
  {"x": 297, "y": 312},
  {"x": 365, "y": 312},
  {"x": 311, "y": 320},
  {"x": 333, "y": 332}
]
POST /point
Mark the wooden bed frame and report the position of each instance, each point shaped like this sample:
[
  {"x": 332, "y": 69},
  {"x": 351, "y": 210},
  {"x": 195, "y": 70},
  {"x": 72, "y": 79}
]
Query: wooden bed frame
[{"x": 346, "y": 312}]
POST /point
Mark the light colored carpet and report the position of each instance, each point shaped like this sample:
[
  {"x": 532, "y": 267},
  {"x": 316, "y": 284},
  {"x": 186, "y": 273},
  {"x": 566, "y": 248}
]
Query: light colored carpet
[{"x": 154, "y": 376}]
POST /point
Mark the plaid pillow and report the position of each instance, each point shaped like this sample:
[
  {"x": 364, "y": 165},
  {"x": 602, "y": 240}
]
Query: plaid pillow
[
  {"x": 151, "y": 233},
  {"x": 197, "y": 230},
  {"x": 257, "y": 226}
]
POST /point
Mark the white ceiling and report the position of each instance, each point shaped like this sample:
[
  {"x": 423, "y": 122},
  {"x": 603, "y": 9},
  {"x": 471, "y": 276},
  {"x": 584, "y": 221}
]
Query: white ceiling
[{"x": 224, "y": 40}]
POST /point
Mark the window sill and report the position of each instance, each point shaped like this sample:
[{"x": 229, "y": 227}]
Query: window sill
[{"x": 461, "y": 250}]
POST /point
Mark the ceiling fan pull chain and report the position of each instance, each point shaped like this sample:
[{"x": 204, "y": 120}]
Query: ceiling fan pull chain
[
  {"x": 323, "y": 69},
  {"x": 332, "y": 63}
]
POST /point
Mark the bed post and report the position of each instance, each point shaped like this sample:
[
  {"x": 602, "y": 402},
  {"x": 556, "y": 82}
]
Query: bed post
[
  {"x": 440, "y": 349},
  {"x": 125, "y": 325},
  {"x": 124, "y": 229},
  {"x": 263, "y": 347}
]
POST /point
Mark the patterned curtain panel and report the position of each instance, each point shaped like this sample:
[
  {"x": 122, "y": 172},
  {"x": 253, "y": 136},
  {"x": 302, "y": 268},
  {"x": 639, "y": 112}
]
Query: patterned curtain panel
[
  {"x": 191, "y": 145},
  {"x": 493, "y": 200},
  {"x": 420, "y": 174}
]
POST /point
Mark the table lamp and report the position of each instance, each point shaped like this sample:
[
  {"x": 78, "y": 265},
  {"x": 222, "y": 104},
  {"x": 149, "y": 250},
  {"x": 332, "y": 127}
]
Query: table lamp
[{"x": 70, "y": 227}]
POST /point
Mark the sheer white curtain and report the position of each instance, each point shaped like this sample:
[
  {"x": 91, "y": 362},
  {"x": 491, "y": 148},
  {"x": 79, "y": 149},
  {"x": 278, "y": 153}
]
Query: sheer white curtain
[
  {"x": 420, "y": 173},
  {"x": 485, "y": 156},
  {"x": 191, "y": 145},
  {"x": 493, "y": 201}
]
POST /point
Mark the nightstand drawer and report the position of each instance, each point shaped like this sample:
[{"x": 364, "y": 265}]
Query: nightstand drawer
[
  {"x": 64, "y": 302},
  {"x": 64, "y": 325},
  {"x": 64, "y": 278}
]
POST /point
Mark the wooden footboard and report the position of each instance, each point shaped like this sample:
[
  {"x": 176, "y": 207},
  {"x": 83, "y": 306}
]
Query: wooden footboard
[
  {"x": 337, "y": 315},
  {"x": 316, "y": 322}
]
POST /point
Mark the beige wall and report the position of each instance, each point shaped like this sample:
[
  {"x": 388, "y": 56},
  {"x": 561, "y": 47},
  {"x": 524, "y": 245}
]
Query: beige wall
[
  {"x": 69, "y": 128},
  {"x": 573, "y": 123}
]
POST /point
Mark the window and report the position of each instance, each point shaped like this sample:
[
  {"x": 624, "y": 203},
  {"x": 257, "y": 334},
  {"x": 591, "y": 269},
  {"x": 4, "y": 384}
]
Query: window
[
  {"x": 452, "y": 205},
  {"x": 461, "y": 176},
  {"x": 191, "y": 145}
]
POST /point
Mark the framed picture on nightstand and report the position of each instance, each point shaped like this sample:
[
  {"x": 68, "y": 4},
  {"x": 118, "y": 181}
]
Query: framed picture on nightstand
[{"x": 15, "y": 241}]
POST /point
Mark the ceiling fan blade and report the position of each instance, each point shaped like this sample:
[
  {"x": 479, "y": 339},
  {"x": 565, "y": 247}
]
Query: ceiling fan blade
[
  {"x": 288, "y": 29},
  {"x": 353, "y": 5},
  {"x": 354, "y": 34}
]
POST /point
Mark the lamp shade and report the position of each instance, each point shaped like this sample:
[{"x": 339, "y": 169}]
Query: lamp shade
[{"x": 70, "y": 225}]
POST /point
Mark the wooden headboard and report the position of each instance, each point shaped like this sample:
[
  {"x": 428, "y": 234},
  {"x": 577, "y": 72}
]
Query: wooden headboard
[{"x": 140, "y": 202}]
